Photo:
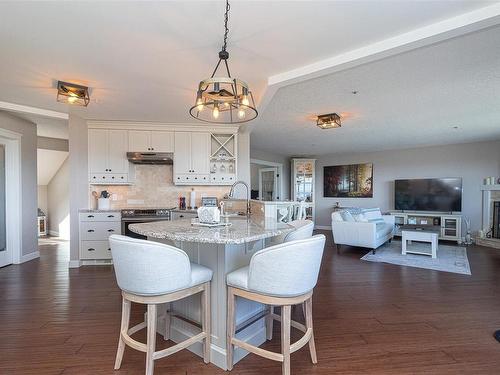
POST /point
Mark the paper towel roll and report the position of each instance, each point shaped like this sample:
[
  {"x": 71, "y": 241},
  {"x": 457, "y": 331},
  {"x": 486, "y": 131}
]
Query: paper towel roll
[{"x": 192, "y": 199}]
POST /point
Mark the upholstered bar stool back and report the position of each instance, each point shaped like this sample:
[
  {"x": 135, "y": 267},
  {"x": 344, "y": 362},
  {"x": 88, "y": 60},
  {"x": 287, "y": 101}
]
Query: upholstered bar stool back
[
  {"x": 303, "y": 229},
  {"x": 152, "y": 273},
  {"x": 149, "y": 268},
  {"x": 281, "y": 275}
]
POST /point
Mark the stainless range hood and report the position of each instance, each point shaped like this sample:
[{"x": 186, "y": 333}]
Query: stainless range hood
[{"x": 150, "y": 157}]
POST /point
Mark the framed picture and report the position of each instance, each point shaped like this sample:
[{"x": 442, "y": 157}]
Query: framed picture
[{"x": 348, "y": 181}]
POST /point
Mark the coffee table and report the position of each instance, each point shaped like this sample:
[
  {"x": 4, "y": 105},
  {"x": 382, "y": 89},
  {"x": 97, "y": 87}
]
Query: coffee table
[{"x": 423, "y": 234}]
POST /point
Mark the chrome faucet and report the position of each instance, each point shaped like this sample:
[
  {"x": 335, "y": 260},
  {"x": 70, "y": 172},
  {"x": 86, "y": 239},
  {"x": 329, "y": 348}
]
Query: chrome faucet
[{"x": 231, "y": 193}]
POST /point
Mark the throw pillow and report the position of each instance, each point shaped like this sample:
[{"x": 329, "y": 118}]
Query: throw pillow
[
  {"x": 360, "y": 218},
  {"x": 347, "y": 216}
]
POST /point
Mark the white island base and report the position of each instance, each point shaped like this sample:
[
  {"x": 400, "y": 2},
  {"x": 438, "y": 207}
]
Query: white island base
[{"x": 250, "y": 326}]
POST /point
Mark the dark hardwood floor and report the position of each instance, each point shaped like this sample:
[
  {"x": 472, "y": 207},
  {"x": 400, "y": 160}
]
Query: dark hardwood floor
[{"x": 370, "y": 318}]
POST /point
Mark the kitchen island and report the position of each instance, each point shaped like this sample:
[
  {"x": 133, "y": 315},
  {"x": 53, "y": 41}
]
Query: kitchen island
[{"x": 222, "y": 249}]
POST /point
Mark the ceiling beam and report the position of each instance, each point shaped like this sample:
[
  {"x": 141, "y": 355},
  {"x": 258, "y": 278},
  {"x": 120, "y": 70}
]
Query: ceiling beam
[
  {"x": 437, "y": 32},
  {"x": 19, "y": 108}
]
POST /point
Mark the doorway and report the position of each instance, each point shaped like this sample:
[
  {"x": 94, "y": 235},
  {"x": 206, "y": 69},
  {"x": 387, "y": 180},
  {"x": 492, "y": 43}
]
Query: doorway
[{"x": 266, "y": 180}]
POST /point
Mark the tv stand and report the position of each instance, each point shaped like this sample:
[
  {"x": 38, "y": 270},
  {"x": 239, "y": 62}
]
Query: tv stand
[{"x": 450, "y": 224}]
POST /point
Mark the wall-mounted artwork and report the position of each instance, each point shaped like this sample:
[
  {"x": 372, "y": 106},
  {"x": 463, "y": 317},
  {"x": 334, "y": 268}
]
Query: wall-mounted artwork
[{"x": 348, "y": 181}]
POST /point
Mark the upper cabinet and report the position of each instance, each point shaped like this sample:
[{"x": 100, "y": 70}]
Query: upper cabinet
[
  {"x": 192, "y": 158},
  {"x": 150, "y": 140},
  {"x": 200, "y": 157},
  {"x": 107, "y": 156}
]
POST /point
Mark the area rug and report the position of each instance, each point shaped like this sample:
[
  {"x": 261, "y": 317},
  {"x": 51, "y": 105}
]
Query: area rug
[{"x": 449, "y": 258}]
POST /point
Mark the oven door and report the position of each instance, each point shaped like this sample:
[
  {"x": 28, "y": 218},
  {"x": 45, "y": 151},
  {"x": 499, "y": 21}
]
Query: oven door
[{"x": 127, "y": 232}]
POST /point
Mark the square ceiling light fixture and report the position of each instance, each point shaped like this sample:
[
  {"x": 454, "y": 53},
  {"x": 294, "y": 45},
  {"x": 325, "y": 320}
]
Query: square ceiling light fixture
[
  {"x": 72, "y": 94},
  {"x": 329, "y": 121}
]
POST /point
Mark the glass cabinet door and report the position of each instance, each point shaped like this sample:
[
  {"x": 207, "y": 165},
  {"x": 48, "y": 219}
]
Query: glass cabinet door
[{"x": 304, "y": 181}]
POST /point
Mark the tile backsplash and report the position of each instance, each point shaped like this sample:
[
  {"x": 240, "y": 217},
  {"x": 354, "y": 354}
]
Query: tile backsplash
[{"x": 153, "y": 187}]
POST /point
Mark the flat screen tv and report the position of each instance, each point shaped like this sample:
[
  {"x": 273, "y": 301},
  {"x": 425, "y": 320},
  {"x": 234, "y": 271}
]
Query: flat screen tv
[{"x": 428, "y": 194}]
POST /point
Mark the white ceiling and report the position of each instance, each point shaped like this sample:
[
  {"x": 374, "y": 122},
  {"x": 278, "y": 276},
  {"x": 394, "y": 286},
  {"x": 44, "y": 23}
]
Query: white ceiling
[
  {"x": 48, "y": 163},
  {"x": 409, "y": 100},
  {"x": 143, "y": 60}
]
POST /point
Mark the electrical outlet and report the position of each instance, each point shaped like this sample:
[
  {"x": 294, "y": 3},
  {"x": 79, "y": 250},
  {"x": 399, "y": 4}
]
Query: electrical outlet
[{"x": 114, "y": 197}]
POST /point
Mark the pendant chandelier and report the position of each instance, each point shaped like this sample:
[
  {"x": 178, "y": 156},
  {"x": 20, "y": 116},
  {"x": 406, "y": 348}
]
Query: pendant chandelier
[{"x": 223, "y": 99}]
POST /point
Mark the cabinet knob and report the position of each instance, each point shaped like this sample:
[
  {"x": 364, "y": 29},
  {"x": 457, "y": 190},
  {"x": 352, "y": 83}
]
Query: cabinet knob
[
  {"x": 111, "y": 215},
  {"x": 113, "y": 177},
  {"x": 90, "y": 216},
  {"x": 90, "y": 230},
  {"x": 109, "y": 249},
  {"x": 91, "y": 249},
  {"x": 111, "y": 230}
]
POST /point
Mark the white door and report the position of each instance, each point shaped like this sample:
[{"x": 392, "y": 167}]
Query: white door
[
  {"x": 200, "y": 154},
  {"x": 268, "y": 183},
  {"x": 162, "y": 141},
  {"x": 5, "y": 255},
  {"x": 98, "y": 150},
  {"x": 182, "y": 154},
  {"x": 117, "y": 151},
  {"x": 139, "y": 140}
]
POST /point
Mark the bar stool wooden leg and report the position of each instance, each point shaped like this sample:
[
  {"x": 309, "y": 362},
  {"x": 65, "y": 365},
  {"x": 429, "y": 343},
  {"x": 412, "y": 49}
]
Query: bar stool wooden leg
[
  {"x": 205, "y": 322},
  {"x": 151, "y": 339},
  {"x": 230, "y": 328},
  {"x": 123, "y": 330},
  {"x": 269, "y": 323},
  {"x": 166, "y": 334},
  {"x": 309, "y": 325},
  {"x": 285, "y": 337}
]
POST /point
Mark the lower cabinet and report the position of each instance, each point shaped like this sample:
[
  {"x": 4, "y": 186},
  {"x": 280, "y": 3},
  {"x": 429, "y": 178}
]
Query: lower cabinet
[
  {"x": 95, "y": 229},
  {"x": 176, "y": 215}
]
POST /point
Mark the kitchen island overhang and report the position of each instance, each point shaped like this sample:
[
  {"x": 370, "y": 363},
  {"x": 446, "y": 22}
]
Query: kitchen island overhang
[{"x": 222, "y": 249}]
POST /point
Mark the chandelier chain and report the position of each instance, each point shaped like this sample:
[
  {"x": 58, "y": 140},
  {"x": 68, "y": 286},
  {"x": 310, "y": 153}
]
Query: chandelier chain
[{"x": 226, "y": 28}]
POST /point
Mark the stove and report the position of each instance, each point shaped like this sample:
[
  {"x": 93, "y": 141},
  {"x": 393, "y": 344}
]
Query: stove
[{"x": 142, "y": 215}]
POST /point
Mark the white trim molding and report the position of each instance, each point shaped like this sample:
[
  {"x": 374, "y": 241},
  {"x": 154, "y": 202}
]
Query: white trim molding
[
  {"x": 135, "y": 125},
  {"x": 74, "y": 264},
  {"x": 30, "y": 256},
  {"x": 19, "y": 108},
  {"x": 13, "y": 203}
]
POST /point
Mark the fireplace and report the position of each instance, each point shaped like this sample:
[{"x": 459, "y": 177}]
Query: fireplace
[{"x": 496, "y": 220}]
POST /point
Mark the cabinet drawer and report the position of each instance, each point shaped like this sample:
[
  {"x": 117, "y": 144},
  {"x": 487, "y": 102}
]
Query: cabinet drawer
[
  {"x": 108, "y": 178},
  {"x": 192, "y": 179},
  {"x": 95, "y": 231},
  {"x": 183, "y": 215},
  {"x": 95, "y": 250},
  {"x": 223, "y": 178},
  {"x": 100, "y": 216}
]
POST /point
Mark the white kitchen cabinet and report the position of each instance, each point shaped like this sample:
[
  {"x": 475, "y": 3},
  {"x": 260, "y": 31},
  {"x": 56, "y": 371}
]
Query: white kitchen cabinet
[
  {"x": 108, "y": 156},
  {"x": 192, "y": 158},
  {"x": 150, "y": 140},
  {"x": 95, "y": 229}
]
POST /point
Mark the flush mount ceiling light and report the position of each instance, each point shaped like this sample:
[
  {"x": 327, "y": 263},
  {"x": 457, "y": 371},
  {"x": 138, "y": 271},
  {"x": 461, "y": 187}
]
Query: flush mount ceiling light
[
  {"x": 224, "y": 99},
  {"x": 72, "y": 94},
  {"x": 329, "y": 121}
]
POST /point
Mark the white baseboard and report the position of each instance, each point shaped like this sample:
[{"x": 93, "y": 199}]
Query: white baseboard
[
  {"x": 30, "y": 256},
  {"x": 322, "y": 227},
  {"x": 53, "y": 233},
  {"x": 74, "y": 264}
]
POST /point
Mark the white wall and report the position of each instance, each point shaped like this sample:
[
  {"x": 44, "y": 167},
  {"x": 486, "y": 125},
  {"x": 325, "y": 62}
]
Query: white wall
[
  {"x": 78, "y": 176},
  {"x": 285, "y": 160},
  {"x": 29, "y": 194},
  {"x": 471, "y": 161},
  {"x": 58, "y": 202},
  {"x": 42, "y": 198}
]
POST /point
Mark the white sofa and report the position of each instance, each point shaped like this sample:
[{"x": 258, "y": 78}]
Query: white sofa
[{"x": 365, "y": 228}]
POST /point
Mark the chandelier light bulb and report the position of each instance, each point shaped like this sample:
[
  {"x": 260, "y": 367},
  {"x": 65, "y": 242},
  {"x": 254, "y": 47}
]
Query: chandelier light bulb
[
  {"x": 215, "y": 112},
  {"x": 72, "y": 99},
  {"x": 241, "y": 113},
  {"x": 244, "y": 100}
]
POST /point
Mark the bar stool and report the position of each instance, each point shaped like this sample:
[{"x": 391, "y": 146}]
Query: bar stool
[
  {"x": 281, "y": 275},
  {"x": 152, "y": 273},
  {"x": 302, "y": 229}
]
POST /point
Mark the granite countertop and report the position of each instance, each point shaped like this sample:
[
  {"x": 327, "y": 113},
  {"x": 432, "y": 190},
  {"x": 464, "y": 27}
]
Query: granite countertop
[
  {"x": 89, "y": 210},
  {"x": 241, "y": 231}
]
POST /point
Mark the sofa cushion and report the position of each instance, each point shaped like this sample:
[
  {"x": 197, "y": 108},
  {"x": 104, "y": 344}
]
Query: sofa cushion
[
  {"x": 336, "y": 216},
  {"x": 360, "y": 218},
  {"x": 373, "y": 215},
  {"x": 347, "y": 216},
  {"x": 383, "y": 229}
]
